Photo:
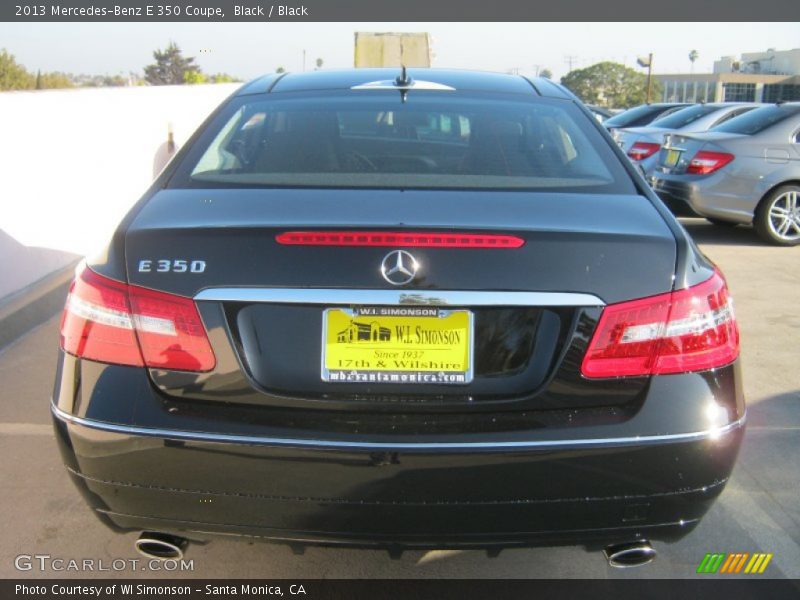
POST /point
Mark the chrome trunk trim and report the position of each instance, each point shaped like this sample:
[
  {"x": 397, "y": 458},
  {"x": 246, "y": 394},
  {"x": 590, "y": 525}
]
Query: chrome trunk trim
[{"x": 359, "y": 297}]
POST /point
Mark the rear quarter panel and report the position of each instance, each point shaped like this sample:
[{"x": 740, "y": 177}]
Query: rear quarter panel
[{"x": 759, "y": 167}]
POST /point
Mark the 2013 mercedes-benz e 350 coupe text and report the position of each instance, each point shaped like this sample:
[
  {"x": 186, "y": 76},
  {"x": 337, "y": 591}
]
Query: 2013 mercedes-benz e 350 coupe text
[{"x": 402, "y": 310}]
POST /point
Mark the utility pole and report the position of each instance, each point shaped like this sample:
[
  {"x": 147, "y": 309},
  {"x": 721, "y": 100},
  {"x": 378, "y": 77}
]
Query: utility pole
[
  {"x": 537, "y": 68},
  {"x": 647, "y": 62},
  {"x": 304, "y": 60},
  {"x": 570, "y": 59}
]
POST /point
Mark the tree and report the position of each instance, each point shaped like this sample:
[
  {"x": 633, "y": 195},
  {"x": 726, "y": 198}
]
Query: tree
[
  {"x": 171, "y": 67},
  {"x": 280, "y": 70},
  {"x": 546, "y": 73},
  {"x": 609, "y": 84},
  {"x": 319, "y": 62},
  {"x": 693, "y": 56},
  {"x": 113, "y": 81},
  {"x": 54, "y": 80},
  {"x": 223, "y": 78},
  {"x": 13, "y": 76},
  {"x": 193, "y": 77}
]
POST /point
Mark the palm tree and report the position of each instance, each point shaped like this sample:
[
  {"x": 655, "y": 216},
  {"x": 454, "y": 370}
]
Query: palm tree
[{"x": 693, "y": 56}]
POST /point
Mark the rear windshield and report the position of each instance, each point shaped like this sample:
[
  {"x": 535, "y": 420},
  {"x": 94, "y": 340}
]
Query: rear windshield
[
  {"x": 758, "y": 120},
  {"x": 639, "y": 115},
  {"x": 684, "y": 117},
  {"x": 432, "y": 140}
]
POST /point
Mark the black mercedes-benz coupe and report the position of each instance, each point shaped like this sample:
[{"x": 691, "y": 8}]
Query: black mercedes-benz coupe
[{"x": 396, "y": 309}]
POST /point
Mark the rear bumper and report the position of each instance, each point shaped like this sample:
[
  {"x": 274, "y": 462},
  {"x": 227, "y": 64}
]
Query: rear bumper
[
  {"x": 708, "y": 196},
  {"x": 676, "y": 195},
  {"x": 649, "y": 467},
  {"x": 542, "y": 492}
]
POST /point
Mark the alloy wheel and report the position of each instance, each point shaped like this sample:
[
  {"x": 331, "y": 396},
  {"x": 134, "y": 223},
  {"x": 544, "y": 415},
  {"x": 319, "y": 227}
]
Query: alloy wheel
[{"x": 784, "y": 216}]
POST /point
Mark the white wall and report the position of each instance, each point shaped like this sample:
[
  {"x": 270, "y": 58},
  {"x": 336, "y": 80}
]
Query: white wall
[{"x": 73, "y": 161}]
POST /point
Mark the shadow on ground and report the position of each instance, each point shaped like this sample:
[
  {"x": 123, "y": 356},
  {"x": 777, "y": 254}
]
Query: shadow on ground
[{"x": 704, "y": 232}]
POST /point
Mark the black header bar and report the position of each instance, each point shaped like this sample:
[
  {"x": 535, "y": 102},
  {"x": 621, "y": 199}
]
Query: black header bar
[
  {"x": 417, "y": 589},
  {"x": 254, "y": 11}
]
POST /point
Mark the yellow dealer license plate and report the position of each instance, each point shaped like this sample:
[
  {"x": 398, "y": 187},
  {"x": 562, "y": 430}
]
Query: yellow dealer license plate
[
  {"x": 672, "y": 157},
  {"x": 397, "y": 344}
]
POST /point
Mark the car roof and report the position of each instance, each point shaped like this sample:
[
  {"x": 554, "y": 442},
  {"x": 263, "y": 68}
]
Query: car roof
[
  {"x": 475, "y": 81},
  {"x": 728, "y": 104},
  {"x": 660, "y": 104}
]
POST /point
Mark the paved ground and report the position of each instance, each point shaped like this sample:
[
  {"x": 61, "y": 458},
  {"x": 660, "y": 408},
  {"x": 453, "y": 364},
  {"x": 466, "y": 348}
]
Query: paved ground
[{"x": 41, "y": 513}]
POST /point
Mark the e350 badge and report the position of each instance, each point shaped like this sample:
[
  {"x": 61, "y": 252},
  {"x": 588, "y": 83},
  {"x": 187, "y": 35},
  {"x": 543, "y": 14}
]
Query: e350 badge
[{"x": 169, "y": 265}]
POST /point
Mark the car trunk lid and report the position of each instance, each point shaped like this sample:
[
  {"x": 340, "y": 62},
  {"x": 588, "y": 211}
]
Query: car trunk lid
[
  {"x": 607, "y": 248},
  {"x": 679, "y": 149}
]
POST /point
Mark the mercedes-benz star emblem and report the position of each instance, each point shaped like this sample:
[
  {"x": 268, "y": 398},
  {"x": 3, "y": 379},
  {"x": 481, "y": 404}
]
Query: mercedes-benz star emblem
[{"x": 399, "y": 267}]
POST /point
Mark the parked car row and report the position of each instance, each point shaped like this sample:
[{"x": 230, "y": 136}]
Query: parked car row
[
  {"x": 643, "y": 144},
  {"x": 732, "y": 163}
]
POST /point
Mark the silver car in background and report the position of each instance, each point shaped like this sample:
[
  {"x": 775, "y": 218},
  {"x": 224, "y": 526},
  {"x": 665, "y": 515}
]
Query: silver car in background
[
  {"x": 746, "y": 170},
  {"x": 642, "y": 144},
  {"x": 644, "y": 114},
  {"x": 601, "y": 113}
]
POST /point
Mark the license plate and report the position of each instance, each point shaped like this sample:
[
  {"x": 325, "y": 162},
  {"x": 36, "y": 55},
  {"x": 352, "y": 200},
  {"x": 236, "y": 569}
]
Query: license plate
[
  {"x": 396, "y": 344},
  {"x": 672, "y": 157}
]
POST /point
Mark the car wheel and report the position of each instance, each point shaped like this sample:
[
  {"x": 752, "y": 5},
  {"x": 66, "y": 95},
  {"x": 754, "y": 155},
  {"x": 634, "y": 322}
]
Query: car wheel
[
  {"x": 778, "y": 216},
  {"x": 721, "y": 222}
]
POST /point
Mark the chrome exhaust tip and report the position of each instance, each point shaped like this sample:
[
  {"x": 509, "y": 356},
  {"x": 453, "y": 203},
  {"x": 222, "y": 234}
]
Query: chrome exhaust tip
[
  {"x": 633, "y": 554},
  {"x": 161, "y": 546}
]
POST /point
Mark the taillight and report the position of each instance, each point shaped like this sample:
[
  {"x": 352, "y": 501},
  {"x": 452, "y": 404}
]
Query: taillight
[
  {"x": 97, "y": 322},
  {"x": 109, "y": 321},
  {"x": 705, "y": 162},
  {"x": 398, "y": 238},
  {"x": 687, "y": 330},
  {"x": 642, "y": 150}
]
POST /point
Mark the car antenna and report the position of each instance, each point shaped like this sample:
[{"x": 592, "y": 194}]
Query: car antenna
[{"x": 403, "y": 81}]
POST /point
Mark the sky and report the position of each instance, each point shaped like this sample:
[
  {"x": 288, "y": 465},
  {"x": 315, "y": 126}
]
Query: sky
[{"x": 247, "y": 50}]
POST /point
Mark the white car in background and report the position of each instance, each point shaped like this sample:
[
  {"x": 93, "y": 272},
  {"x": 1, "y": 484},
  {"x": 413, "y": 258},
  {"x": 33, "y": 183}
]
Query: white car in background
[{"x": 642, "y": 144}]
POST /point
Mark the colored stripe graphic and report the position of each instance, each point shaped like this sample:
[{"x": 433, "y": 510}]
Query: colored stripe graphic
[
  {"x": 741, "y": 562},
  {"x": 711, "y": 563},
  {"x": 701, "y": 568},
  {"x": 765, "y": 563},
  {"x": 758, "y": 563},
  {"x": 731, "y": 560},
  {"x": 732, "y": 563}
]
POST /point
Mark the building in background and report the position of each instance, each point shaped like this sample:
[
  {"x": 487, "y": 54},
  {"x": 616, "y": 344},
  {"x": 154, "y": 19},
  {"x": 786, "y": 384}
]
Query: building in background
[
  {"x": 771, "y": 62},
  {"x": 392, "y": 49},
  {"x": 768, "y": 76}
]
